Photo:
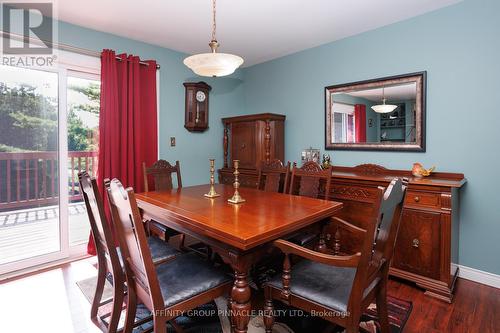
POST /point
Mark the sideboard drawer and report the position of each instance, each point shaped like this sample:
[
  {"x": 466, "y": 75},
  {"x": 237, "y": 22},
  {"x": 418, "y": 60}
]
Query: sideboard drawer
[
  {"x": 423, "y": 199},
  {"x": 418, "y": 244}
]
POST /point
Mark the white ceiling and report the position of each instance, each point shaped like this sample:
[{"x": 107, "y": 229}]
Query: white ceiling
[
  {"x": 257, "y": 30},
  {"x": 402, "y": 92}
]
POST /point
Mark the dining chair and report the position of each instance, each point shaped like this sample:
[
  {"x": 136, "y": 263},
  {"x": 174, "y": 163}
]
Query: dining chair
[
  {"x": 161, "y": 175},
  {"x": 310, "y": 180},
  {"x": 273, "y": 176},
  {"x": 340, "y": 288},
  {"x": 167, "y": 289},
  {"x": 109, "y": 259}
]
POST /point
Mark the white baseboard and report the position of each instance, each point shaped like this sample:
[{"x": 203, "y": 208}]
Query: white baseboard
[{"x": 476, "y": 275}]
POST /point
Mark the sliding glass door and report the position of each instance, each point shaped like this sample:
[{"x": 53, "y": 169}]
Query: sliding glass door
[
  {"x": 83, "y": 93},
  {"x": 30, "y": 226},
  {"x": 48, "y": 133}
]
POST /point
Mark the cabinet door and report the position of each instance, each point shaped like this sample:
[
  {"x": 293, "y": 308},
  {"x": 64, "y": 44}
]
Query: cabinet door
[
  {"x": 243, "y": 144},
  {"x": 418, "y": 244}
]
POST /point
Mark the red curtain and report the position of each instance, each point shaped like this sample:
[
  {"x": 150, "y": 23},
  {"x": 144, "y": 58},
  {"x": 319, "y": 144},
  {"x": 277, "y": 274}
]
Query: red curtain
[
  {"x": 360, "y": 122},
  {"x": 127, "y": 122}
]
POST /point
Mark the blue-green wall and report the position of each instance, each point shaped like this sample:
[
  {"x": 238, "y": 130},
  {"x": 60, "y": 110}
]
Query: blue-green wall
[
  {"x": 192, "y": 149},
  {"x": 459, "y": 46}
]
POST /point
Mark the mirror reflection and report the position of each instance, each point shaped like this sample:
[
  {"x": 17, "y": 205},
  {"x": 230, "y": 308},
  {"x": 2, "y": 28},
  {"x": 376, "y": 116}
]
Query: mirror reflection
[
  {"x": 376, "y": 114},
  {"x": 385, "y": 114}
]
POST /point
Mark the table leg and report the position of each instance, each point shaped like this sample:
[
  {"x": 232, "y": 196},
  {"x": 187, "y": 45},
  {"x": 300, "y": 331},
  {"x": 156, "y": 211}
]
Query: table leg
[
  {"x": 241, "y": 305},
  {"x": 240, "y": 299}
]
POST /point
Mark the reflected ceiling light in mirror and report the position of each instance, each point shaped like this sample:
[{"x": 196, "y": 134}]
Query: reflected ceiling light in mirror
[
  {"x": 213, "y": 64},
  {"x": 384, "y": 108}
]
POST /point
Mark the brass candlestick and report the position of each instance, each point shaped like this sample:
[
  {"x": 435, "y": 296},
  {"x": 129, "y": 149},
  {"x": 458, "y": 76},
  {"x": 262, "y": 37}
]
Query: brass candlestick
[
  {"x": 236, "y": 198},
  {"x": 212, "y": 193}
]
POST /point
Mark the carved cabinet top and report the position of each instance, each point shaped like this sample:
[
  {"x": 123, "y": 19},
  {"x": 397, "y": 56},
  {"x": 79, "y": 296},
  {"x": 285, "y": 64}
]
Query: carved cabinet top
[
  {"x": 377, "y": 173},
  {"x": 253, "y": 117}
]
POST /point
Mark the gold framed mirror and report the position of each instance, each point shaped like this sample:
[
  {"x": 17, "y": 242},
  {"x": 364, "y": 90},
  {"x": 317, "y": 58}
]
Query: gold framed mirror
[{"x": 380, "y": 114}]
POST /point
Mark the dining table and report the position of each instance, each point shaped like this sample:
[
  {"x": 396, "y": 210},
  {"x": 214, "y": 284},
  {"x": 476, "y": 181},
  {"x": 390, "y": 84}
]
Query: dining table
[{"x": 239, "y": 233}]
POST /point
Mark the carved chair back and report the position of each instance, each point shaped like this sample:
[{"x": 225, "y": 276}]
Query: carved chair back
[
  {"x": 380, "y": 239},
  {"x": 273, "y": 176},
  {"x": 107, "y": 255},
  {"x": 161, "y": 172},
  {"x": 311, "y": 180},
  {"x": 101, "y": 230},
  {"x": 139, "y": 267}
]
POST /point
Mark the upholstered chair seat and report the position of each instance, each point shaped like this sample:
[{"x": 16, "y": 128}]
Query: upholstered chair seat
[
  {"x": 160, "y": 251},
  {"x": 327, "y": 285},
  {"x": 187, "y": 276},
  {"x": 303, "y": 239}
]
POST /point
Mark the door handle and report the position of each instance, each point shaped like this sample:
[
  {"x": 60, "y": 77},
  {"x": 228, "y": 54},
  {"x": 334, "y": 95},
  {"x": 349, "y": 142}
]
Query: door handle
[{"x": 415, "y": 243}]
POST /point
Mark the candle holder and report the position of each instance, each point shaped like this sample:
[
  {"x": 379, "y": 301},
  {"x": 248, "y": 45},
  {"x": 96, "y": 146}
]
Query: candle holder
[
  {"x": 212, "y": 193},
  {"x": 236, "y": 198}
]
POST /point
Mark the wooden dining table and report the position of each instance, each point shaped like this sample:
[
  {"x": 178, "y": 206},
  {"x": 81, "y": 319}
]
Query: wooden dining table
[{"x": 239, "y": 233}]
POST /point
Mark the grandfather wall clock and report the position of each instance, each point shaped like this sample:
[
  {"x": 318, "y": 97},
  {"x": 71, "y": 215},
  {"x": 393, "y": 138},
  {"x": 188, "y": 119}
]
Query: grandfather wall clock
[{"x": 196, "y": 114}]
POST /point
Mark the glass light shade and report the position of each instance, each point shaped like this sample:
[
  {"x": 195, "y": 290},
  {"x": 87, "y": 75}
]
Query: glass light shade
[
  {"x": 213, "y": 64},
  {"x": 384, "y": 108}
]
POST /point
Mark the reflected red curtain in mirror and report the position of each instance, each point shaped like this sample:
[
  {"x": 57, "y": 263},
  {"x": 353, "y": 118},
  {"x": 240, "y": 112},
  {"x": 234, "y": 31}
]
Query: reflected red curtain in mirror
[
  {"x": 127, "y": 122},
  {"x": 360, "y": 122}
]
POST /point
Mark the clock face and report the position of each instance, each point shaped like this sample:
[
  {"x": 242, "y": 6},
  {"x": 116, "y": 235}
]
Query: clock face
[{"x": 200, "y": 96}]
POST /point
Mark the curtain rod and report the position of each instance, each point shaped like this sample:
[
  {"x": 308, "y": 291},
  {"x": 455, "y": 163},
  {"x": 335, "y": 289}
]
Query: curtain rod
[{"x": 61, "y": 46}]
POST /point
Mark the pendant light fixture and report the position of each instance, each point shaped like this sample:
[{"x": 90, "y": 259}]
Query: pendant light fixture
[
  {"x": 213, "y": 64},
  {"x": 384, "y": 108}
]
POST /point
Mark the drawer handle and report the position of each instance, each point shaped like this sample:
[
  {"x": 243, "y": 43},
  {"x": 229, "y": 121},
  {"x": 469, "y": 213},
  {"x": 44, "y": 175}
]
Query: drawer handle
[
  {"x": 415, "y": 243},
  {"x": 417, "y": 199},
  {"x": 243, "y": 146}
]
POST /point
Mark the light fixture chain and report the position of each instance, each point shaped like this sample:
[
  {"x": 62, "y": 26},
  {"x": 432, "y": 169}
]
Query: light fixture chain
[{"x": 214, "y": 24}]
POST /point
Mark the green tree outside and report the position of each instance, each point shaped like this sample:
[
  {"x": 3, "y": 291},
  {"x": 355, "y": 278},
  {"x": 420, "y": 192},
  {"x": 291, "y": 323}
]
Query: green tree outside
[{"x": 29, "y": 121}]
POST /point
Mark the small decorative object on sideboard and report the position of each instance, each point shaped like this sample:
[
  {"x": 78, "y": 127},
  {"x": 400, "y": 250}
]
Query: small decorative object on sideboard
[
  {"x": 212, "y": 193},
  {"x": 310, "y": 154},
  {"x": 196, "y": 113},
  {"x": 236, "y": 198},
  {"x": 419, "y": 171},
  {"x": 326, "y": 161}
]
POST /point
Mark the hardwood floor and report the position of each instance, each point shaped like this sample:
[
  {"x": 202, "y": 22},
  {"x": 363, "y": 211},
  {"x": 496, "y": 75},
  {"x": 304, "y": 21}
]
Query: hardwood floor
[
  {"x": 476, "y": 308},
  {"x": 52, "y": 302}
]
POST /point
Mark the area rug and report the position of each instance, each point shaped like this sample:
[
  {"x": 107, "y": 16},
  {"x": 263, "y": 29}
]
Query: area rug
[
  {"x": 399, "y": 312},
  {"x": 198, "y": 321},
  {"x": 208, "y": 318}
]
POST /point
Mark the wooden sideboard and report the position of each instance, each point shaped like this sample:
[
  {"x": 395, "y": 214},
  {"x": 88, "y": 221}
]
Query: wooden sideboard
[
  {"x": 427, "y": 242},
  {"x": 251, "y": 139}
]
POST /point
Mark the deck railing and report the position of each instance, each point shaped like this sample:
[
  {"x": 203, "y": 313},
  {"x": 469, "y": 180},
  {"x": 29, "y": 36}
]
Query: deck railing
[{"x": 30, "y": 179}]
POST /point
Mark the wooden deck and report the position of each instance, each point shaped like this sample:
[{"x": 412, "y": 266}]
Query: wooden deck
[{"x": 32, "y": 232}]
